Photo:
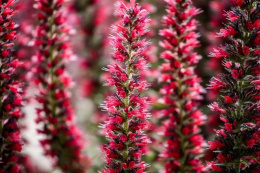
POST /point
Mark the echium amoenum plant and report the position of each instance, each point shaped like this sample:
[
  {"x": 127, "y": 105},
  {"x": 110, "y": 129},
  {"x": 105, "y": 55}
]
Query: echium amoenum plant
[
  {"x": 63, "y": 139},
  {"x": 238, "y": 142},
  {"x": 127, "y": 108},
  {"x": 10, "y": 92},
  {"x": 181, "y": 89}
]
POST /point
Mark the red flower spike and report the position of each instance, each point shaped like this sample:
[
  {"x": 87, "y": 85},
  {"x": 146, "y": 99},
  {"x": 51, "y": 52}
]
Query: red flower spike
[
  {"x": 127, "y": 109},
  {"x": 181, "y": 89},
  {"x": 63, "y": 140},
  {"x": 239, "y": 100},
  {"x": 10, "y": 93}
]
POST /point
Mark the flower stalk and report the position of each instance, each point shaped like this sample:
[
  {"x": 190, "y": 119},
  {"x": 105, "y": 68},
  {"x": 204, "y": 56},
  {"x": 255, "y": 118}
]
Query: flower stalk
[
  {"x": 10, "y": 92},
  {"x": 127, "y": 108},
  {"x": 63, "y": 139},
  {"x": 181, "y": 89},
  {"x": 238, "y": 142}
]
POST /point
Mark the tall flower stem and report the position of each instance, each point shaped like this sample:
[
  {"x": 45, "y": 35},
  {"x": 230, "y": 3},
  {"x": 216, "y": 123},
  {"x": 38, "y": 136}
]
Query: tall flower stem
[
  {"x": 181, "y": 89},
  {"x": 127, "y": 109},
  {"x": 63, "y": 140},
  {"x": 10, "y": 92},
  {"x": 238, "y": 143}
]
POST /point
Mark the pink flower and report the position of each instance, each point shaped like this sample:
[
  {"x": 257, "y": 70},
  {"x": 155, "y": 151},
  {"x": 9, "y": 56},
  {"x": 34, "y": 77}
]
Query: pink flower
[
  {"x": 228, "y": 99},
  {"x": 214, "y": 145},
  {"x": 237, "y": 73},
  {"x": 219, "y": 53},
  {"x": 228, "y": 127},
  {"x": 257, "y": 83},
  {"x": 213, "y": 166},
  {"x": 216, "y": 83},
  {"x": 232, "y": 16},
  {"x": 221, "y": 158},
  {"x": 250, "y": 143},
  {"x": 246, "y": 50},
  {"x": 215, "y": 107},
  {"x": 229, "y": 31},
  {"x": 238, "y": 2}
]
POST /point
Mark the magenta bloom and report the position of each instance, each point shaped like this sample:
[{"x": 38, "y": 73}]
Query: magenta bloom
[
  {"x": 238, "y": 142},
  {"x": 127, "y": 108},
  {"x": 10, "y": 93},
  {"x": 63, "y": 140},
  {"x": 181, "y": 89}
]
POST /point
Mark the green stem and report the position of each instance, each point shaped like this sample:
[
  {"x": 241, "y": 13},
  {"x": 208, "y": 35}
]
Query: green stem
[
  {"x": 182, "y": 137},
  {"x": 52, "y": 75},
  {"x": 128, "y": 72},
  {"x": 1, "y": 128},
  {"x": 237, "y": 166}
]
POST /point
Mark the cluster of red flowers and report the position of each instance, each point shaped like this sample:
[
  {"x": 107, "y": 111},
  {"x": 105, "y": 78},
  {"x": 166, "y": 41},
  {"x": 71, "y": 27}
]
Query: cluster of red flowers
[
  {"x": 176, "y": 98},
  {"x": 127, "y": 109},
  {"x": 10, "y": 92},
  {"x": 238, "y": 143},
  {"x": 63, "y": 140},
  {"x": 181, "y": 90}
]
